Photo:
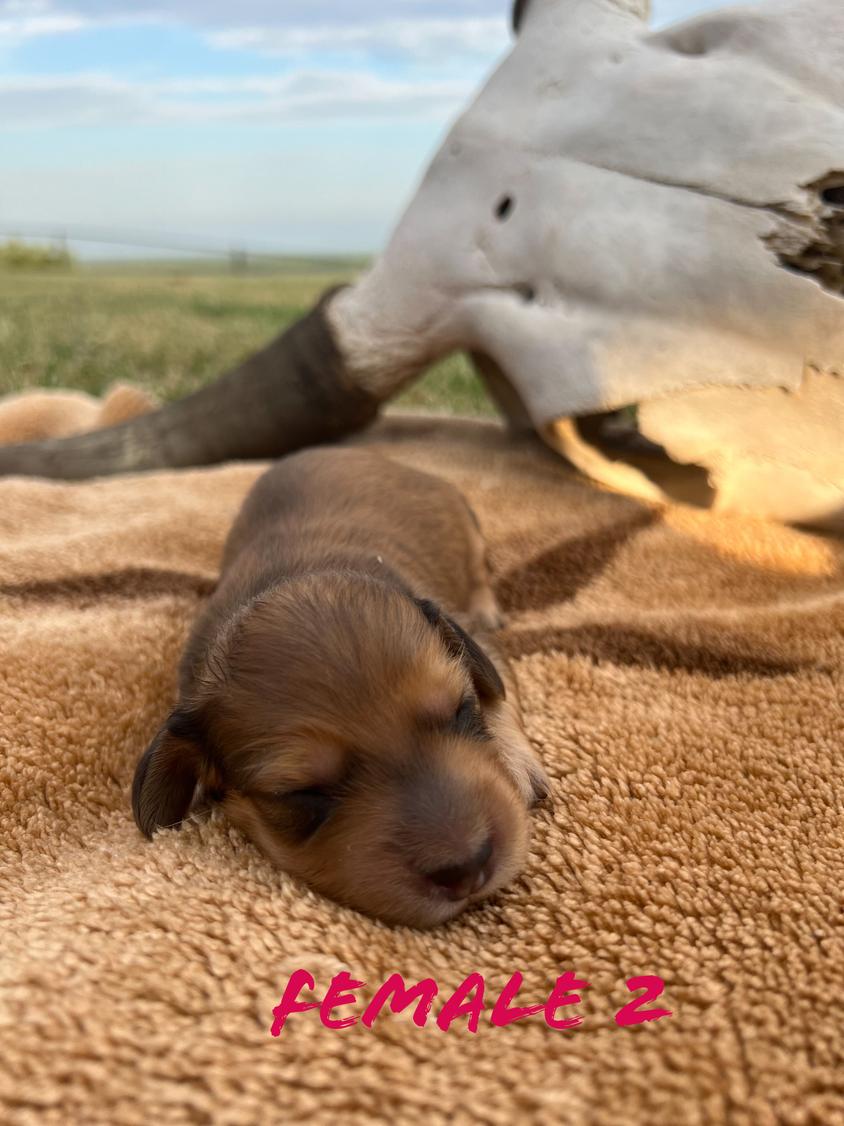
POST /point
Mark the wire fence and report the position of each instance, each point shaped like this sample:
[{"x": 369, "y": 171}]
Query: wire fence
[{"x": 240, "y": 258}]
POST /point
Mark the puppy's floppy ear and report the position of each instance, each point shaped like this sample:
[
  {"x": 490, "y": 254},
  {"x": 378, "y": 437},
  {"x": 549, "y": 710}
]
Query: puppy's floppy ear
[
  {"x": 167, "y": 775},
  {"x": 485, "y": 676}
]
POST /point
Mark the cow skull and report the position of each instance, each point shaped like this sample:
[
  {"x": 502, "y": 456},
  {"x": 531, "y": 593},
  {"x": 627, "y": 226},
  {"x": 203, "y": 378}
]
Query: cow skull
[{"x": 634, "y": 217}]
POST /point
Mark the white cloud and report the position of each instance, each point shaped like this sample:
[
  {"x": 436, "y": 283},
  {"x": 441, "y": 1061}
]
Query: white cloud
[
  {"x": 421, "y": 30},
  {"x": 424, "y": 38},
  {"x": 268, "y": 13},
  {"x": 16, "y": 29},
  {"x": 22, "y": 20},
  {"x": 102, "y": 99},
  {"x": 327, "y": 66}
]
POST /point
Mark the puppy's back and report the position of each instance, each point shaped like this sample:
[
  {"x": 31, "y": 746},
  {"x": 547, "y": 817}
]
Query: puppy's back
[{"x": 320, "y": 507}]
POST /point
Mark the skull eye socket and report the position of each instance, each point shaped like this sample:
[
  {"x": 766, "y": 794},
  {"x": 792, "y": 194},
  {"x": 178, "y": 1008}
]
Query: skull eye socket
[
  {"x": 505, "y": 207},
  {"x": 834, "y": 196}
]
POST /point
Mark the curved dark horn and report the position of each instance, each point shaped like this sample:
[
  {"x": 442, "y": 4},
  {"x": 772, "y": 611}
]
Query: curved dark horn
[
  {"x": 296, "y": 392},
  {"x": 519, "y": 9}
]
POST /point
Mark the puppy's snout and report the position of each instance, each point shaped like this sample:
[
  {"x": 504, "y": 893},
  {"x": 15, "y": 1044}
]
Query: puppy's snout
[
  {"x": 460, "y": 833},
  {"x": 459, "y": 881}
]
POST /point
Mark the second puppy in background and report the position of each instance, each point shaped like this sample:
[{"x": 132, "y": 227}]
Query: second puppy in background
[{"x": 334, "y": 707}]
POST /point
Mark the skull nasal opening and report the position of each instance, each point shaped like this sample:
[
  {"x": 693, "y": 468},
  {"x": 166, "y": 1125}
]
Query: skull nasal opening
[{"x": 505, "y": 207}]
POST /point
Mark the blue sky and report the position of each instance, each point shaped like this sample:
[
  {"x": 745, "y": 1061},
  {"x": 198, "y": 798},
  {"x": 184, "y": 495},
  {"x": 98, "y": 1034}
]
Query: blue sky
[{"x": 297, "y": 125}]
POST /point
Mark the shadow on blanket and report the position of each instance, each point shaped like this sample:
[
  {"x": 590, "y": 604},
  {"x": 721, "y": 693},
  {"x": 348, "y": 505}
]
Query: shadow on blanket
[{"x": 682, "y": 676}]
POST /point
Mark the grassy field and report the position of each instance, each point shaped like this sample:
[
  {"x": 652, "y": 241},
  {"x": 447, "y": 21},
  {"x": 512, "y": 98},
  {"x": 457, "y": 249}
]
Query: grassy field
[{"x": 173, "y": 327}]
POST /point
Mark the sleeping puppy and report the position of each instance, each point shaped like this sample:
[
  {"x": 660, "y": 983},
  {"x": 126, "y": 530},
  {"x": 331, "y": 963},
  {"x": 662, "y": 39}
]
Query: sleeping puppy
[{"x": 333, "y": 706}]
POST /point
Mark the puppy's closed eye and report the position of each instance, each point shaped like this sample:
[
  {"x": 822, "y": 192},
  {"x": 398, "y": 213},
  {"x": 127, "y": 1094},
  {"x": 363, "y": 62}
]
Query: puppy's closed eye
[
  {"x": 300, "y": 813},
  {"x": 468, "y": 720}
]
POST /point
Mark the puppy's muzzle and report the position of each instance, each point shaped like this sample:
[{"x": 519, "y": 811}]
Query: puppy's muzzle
[{"x": 457, "y": 831}]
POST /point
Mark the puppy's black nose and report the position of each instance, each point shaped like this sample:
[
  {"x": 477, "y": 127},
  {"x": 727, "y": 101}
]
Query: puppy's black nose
[{"x": 462, "y": 880}]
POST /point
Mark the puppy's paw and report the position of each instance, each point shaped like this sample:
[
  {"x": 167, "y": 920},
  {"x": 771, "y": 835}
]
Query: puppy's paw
[
  {"x": 518, "y": 757},
  {"x": 492, "y": 621},
  {"x": 484, "y": 612},
  {"x": 540, "y": 783},
  {"x": 529, "y": 775}
]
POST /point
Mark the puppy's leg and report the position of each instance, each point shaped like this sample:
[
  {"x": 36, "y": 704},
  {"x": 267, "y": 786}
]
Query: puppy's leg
[
  {"x": 483, "y": 610},
  {"x": 516, "y": 754},
  {"x": 504, "y": 720}
]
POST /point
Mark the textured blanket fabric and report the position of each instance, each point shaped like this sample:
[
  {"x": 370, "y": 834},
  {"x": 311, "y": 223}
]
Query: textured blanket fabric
[{"x": 682, "y": 677}]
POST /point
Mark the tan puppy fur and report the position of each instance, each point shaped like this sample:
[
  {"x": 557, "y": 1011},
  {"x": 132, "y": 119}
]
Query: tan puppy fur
[
  {"x": 33, "y": 415},
  {"x": 351, "y": 727}
]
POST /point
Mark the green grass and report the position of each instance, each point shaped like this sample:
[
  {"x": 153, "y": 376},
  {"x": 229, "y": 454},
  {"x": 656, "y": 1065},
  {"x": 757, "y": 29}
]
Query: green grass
[{"x": 174, "y": 327}]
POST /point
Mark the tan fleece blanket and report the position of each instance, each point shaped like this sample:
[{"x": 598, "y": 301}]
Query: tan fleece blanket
[{"x": 682, "y": 677}]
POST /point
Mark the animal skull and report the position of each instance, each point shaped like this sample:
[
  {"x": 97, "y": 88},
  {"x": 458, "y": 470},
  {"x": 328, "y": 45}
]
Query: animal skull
[{"x": 626, "y": 216}]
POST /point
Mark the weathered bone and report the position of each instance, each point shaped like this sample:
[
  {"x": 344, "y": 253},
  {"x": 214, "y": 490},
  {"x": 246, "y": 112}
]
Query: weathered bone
[
  {"x": 625, "y": 216},
  {"x": 622, "y": 217}
]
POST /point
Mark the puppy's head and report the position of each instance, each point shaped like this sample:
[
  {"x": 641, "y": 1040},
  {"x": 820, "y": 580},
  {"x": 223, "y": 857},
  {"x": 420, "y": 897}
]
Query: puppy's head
[{"x": 341, "y": 724}]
